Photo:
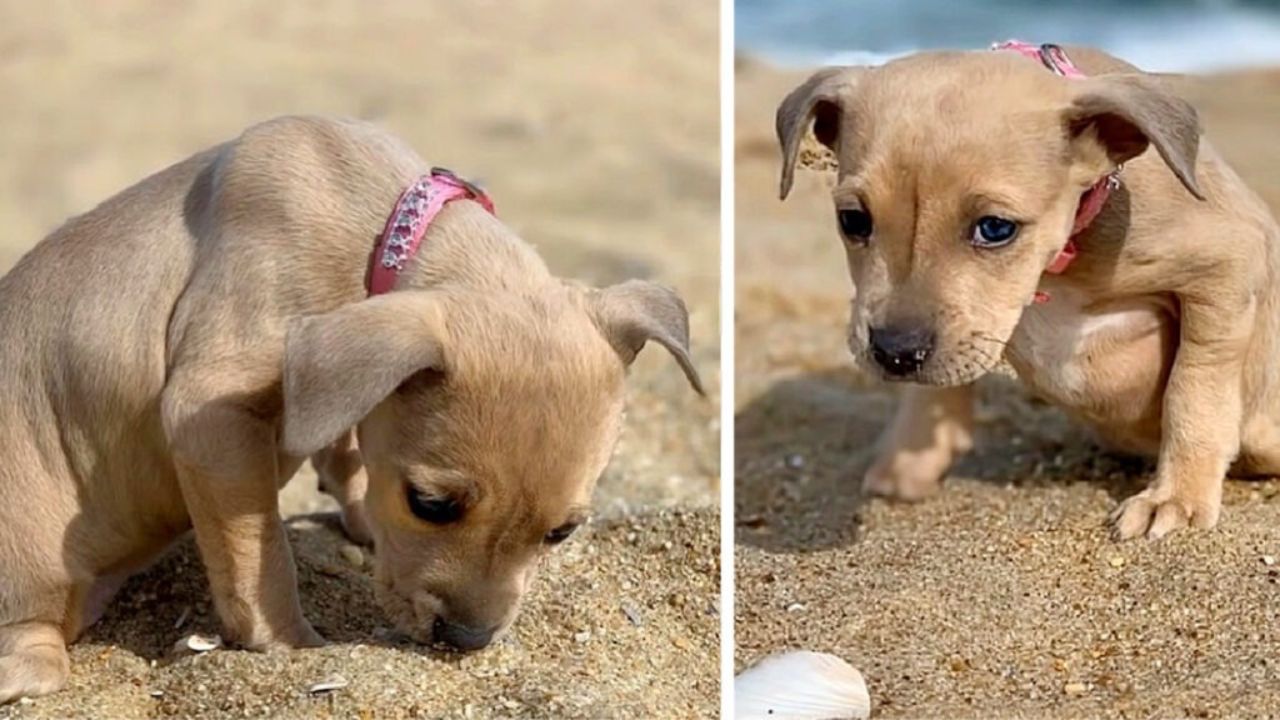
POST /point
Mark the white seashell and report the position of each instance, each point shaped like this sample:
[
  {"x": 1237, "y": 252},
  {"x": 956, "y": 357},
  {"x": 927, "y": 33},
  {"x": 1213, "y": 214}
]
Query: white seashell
[
  {"x": 197, "y": 643},
  {"x": 337, "y": 682},
  {"x": 801, "y": 686}
]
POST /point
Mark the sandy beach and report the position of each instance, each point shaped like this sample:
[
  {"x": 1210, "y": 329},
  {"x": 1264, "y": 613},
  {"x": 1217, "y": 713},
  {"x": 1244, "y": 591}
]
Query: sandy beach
[
  {"x": 599, "y": 147},
  {"x": 1003, "y": 597}
]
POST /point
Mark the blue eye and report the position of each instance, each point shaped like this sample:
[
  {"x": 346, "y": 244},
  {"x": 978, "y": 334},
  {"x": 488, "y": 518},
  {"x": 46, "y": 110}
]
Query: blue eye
[
  {"x": 991, "y": 231},
  {"x": 855, "y": 224}
]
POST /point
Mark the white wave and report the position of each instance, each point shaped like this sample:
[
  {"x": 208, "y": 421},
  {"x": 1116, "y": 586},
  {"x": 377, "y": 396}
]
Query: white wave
[{"x": 1230, "y": 38}]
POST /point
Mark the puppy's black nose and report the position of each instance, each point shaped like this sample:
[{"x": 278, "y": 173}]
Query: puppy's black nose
[
  {"x": 461, "y": 637},
  {"x": 901, "y": 351}
]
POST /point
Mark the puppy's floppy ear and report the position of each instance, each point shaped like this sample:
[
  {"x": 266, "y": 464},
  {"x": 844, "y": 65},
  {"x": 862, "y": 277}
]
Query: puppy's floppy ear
[
  {"x": 820, "y": 99},
  {"x": 634, "y": 312},
  {"x": 1128, "y": 112},
  {"x": 339, "y": 365}
]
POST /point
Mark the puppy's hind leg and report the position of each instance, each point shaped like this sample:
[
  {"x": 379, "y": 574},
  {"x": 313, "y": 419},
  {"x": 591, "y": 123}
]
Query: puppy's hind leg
[
  {"x": 1259, "y": 450},
  {"x": 33, "y": 660},
  {"x": 933, "y": 427},
  {"x": 342, "y": 476}
]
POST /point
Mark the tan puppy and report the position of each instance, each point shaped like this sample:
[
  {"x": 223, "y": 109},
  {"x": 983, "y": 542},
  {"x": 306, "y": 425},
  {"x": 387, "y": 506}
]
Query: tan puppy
[
  {"x": 960, "y": 175},
  {"x": 174, "y": 355}
]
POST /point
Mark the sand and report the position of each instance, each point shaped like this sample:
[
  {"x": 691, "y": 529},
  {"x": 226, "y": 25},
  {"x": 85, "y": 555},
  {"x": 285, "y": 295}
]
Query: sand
[
  {"x": 1003, "y": 597},
  {"x": 595, "y": 128}
]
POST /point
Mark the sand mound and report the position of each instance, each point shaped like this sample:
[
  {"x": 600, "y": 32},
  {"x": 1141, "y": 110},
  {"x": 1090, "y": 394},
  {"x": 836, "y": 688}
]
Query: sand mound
[{"x": 600, "y": 636}]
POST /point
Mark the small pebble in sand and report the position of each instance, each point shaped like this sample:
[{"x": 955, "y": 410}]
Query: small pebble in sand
[
  {"x": 582, "y": 637},
  {"x": 1074, "y": 688},
  {"x": 795, "y": 607},
  {"x": 632, "y": 615},
  {"x": 1116, "y": 561},
  {"x": 336, "y": 682},
  {"x": 353, "y": 555},
  {"x": 1268, "y": 560}
]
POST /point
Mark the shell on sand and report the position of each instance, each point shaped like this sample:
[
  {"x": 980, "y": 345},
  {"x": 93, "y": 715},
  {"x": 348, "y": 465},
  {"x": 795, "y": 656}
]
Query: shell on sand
[
  {"x": 197, "y": 643},
  {"x": 337, "y": 682},
  {"x": 801, "y": 686}
]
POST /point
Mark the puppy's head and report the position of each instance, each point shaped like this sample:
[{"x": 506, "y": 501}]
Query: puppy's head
[
  {"x": 959, "y": 178},
  {"x": 484, "y": 421}
]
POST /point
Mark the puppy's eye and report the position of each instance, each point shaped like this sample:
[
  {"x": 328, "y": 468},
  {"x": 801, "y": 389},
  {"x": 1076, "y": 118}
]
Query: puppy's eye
[
  {"x": 855, "y": 224},
  {"x": 560, "y": 534},
  {"x": 435, "y": 509},
  {"x": 991, "y": 231}
]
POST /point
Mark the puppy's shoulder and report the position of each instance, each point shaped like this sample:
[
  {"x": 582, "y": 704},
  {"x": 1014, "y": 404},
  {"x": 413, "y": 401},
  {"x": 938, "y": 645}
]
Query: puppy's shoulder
[{"x": 316, "y": 145}]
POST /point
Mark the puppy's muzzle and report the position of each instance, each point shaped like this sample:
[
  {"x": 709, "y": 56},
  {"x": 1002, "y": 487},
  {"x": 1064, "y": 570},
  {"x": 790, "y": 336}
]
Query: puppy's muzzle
[
  {"x": 462, "y": 638},
  {"x": 902, "y": 350}
]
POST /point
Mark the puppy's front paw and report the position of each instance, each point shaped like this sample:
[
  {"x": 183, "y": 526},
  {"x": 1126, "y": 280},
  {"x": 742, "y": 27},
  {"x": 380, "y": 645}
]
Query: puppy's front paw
[
  {"x": 300, "y": 636},
  {"x": 32, "y": 673},
  {"x": 1156, "y": 511},
  {"x": 906, "y": 476},
  {"x": 355, "y": 526}
]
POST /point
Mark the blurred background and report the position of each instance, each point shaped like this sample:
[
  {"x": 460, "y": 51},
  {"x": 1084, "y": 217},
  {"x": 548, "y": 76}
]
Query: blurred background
[
  {"x": 599, "y": 146},
  {"x": 595, "y": 127},
  {"x": 1164, "y": 35}
]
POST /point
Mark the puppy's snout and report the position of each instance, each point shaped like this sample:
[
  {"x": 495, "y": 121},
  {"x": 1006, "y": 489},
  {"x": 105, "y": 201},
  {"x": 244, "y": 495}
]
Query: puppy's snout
[
  {"x": 461, "y": 637},
  {"x": 902, "y": 350}
]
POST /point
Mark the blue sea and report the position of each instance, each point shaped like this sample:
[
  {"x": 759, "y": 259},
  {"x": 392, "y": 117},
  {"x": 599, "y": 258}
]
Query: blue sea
[{"x": 1168, "y": 35}]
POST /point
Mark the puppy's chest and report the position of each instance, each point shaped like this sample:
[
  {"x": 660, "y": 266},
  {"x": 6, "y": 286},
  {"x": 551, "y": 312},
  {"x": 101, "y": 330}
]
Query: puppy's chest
[{"x": 1108, "y": 364}]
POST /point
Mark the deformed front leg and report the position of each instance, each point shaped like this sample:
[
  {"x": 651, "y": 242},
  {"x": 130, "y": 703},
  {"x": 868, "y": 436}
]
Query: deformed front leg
[
  {"x": 226, "y": 457},
  {"x": 933, "y": 427},
  {"x": 342, "y": 476},
  {"x": 1200, "y": 425}
]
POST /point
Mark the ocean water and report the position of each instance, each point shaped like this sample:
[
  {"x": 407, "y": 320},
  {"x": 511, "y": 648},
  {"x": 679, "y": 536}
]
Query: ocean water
[{"x": 1158, "y": 35}]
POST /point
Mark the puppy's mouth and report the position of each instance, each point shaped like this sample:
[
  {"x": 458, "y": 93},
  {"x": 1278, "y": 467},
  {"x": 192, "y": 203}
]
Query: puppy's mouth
[
  {"x": 956, "y": 363},
  {"x": 402, "y": 612},
  {"x": 419, "y": 616}
]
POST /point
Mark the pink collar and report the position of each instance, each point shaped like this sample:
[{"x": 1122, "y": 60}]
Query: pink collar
[
  {"x": 418, "y": 205},
  {"x": 1091, "y": 202}
]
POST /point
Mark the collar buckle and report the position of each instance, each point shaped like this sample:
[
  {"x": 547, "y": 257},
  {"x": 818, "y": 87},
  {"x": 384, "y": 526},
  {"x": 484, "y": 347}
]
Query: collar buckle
[{"x": 475, "y": 190}]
